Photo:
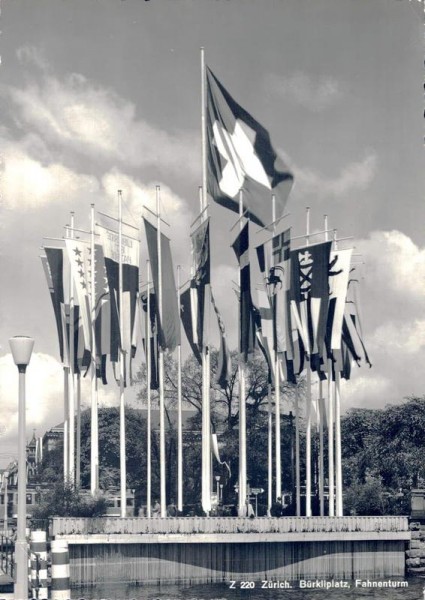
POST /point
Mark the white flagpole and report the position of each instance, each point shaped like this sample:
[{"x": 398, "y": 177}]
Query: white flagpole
[
  {"x": 78, "y": 452},
  {"x": 123, "y": 467},
  {"x": 179, "y": 411},
  {"x": 71, "y": 390},
  {"x": 297, "y": 452},
  {"x": 65, "y": 420},
  {"x": 338, "y": 462},
  {"x": 242, "y": 406},
  {"x": 308, "y": 426},
  {"x": 321, "y": 415},
  {"x": 331, "y": 511},
  {"x": 94, "y": 451},
  {"x": 163, "y": 500},
  {"x": 206, "y": 426},
  {"x": 321, "y": 457},
  {"x": 148, "y": 383},
  {"x": 277, "y": 395},
  {"x": 331, "y": 476},
  {"x": 269, "y": 448},
  {"x": 66, "y": 372}
]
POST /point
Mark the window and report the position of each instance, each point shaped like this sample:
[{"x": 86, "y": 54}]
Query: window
[
  {"x": 29, "y": 498},
  {"x": 1, "y": 498}
]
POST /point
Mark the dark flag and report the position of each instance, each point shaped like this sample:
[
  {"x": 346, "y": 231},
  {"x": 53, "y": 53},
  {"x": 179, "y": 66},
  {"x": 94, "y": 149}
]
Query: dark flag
[
  {"x": 186, "y": 317},
  {"x": 246, "y": 316},
  {"x": 53, "y": 265},
  {"x": 130, "y": 285},
  {"x": 150, "y": 335},
  {"x": 201, "y": 282},
  {"x": 169, "y": 327},
  {"x": 352, "y": 336},
  {"x": 264, "y": 330},
  {"x": 309, "y": 295},
  {"x": 224, "y": 362},
  {"x": 240, "y": 155},
  {"x": 102, "y": 313}
]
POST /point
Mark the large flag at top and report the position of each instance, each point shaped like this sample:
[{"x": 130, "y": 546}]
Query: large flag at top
[{"x": 240, "y": 155}]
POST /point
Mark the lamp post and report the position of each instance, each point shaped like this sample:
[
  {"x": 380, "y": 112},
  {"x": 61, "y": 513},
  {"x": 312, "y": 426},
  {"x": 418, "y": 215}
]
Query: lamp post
[{"x": 21, "y": 347}]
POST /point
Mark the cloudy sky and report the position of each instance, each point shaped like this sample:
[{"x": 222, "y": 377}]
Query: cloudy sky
[{"x": 100, "y": 95}]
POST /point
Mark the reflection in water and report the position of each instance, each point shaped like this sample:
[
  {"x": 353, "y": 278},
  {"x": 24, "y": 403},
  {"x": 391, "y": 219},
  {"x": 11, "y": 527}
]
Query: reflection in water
[{"x": 415, "y": 590}]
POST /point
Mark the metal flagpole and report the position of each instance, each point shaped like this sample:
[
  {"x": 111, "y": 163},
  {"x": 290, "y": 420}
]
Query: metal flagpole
[
  {"x": 331, "y": 509},
  {"x": 123, "y": 469},
  {"x": 94, "y": 450},
  {"x": 148, "y": 383},
  {"x": 269, "y": 447},
  {"x": 277, "y": 393},
  {"x": 308, "y": 426},
  {"x": 78, "y": 449},
  {"x": 163, "y": 501},
  {"x": 179, "y": 411},
  {"x": 321, "y": 457},
  {"x": 66, "y": 371},
  {"x": 65, "y": 421},
  {"x": 242, "y": 406},
  {"x": 338, "y": 465},
  {"x": 71, "y": 390},
  {"x": 297, "y": 451},
  {"x": 206, "y": 427}
]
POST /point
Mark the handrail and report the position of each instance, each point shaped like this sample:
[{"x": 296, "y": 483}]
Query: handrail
[{"x": 226, "y": 525}]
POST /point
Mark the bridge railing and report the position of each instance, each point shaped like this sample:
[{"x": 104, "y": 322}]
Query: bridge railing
[{"x": 192, "y": 525}]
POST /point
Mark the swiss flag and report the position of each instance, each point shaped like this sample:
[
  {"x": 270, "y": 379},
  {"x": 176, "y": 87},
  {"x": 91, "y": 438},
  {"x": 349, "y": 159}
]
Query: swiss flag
[{"x": 240, "y": 156}]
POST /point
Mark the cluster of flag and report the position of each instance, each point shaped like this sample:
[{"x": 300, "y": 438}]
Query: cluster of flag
[
  {"x": 84, "y": 283},
  {"x": 102, "y": 327}
]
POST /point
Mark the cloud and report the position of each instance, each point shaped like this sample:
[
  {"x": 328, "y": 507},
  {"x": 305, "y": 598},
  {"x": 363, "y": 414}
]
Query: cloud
[
  {"x": 354, "y": 176},
  {"x": 29, "y": 184},
  {"x": 44, "y": 393},
  {"x": 392, "y": 285},
  {"x": 96, "y": 122},
  {"x": 314, "y": 94},
  {"x": 137, "y": 195},
  {"x": 33, "y": 56},
  {"x": 394, "y": 264}
]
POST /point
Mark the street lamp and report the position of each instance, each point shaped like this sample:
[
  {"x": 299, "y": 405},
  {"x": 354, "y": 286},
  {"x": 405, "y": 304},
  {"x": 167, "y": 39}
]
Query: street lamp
[{"x": 21, "y": 347}]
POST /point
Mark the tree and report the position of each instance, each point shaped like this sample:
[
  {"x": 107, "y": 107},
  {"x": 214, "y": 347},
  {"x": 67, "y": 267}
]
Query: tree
[{"x": 64, "y": 500}]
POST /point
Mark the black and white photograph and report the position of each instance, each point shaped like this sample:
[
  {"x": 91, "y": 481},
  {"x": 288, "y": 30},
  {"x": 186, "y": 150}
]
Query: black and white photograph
[{"x": 212, "y": 299}]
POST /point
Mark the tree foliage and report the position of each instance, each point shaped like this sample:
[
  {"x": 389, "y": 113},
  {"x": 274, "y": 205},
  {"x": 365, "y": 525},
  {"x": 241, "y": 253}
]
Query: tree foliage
[
  {"x": 382, "y": 450},
  {"x": 64, "y": 500}
]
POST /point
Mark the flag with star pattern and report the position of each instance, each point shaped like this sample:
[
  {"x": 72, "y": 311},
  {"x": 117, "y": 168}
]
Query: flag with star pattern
[{"x": 240, "y": 156}]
